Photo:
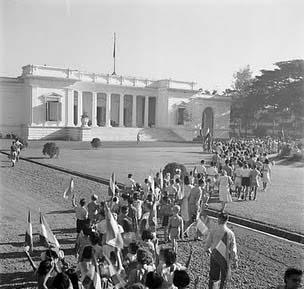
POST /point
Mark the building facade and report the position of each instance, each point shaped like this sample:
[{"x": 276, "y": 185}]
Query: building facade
[{"x": 55, "y": 103}]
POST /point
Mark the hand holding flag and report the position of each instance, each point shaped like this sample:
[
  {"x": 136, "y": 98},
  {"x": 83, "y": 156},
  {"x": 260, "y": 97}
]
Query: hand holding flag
[
  {"x": 69, "y": 190},
  {"x": 29, "y": 233}
]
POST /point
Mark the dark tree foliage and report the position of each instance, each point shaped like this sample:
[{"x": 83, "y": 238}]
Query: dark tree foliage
[
  {"x": 281, "y": 89},
  {"x": 96, "y": 143},
  {"x": 171, "y": 168},
  {"x": 50, "y": 149}
]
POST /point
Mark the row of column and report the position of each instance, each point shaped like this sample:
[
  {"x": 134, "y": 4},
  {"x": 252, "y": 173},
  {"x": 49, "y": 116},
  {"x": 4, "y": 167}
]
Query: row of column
[{"x": 70, "y": 109}]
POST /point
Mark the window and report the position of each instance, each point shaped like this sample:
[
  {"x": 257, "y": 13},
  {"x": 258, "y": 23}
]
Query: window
[
  {"x": 53, "y": 110},
  {"x": 180, "y": 115}
]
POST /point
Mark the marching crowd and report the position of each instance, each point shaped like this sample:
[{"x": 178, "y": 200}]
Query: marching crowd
[{"x": 119, "y": 242}]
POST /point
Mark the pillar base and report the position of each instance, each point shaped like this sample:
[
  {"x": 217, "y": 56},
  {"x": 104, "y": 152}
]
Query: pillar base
[{"x": 85, "y": 134}]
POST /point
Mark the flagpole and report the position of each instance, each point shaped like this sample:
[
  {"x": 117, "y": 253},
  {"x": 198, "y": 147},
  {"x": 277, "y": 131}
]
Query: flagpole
[{"x": 114, "y": 55}]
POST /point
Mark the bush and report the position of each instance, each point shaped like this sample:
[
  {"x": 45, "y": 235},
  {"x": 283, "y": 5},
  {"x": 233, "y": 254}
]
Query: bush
[
  {"x": 285, "y": 151},
  {"x": 171, "y": 168},
  {"x": 8, "y": 136},
  {"x": 96, "y": 143},
  {"x": 51, "y": 149}
]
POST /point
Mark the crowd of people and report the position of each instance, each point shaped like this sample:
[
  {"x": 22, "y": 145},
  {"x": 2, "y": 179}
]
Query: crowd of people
[{"x": 119, "y": 242}]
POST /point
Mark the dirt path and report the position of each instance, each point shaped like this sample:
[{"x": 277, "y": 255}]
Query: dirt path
[{"x": 263, "y": 259}]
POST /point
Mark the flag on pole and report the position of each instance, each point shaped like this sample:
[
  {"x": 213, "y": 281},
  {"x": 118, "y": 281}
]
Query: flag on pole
[
  {"x": 92, "y": 279},
  {"x": 222, "y": 254},
  {"x": 201, "y": 226},
  {"x": 189, "y": 259},
  {"x": 161, "y": 179},
  {"x": 117, "y": 280},
  {"x": 113, "y": 236},
  {"x": 114, "y": 48},
  {"x": 112, "y": 183},
  {"x": 207, "y": 135},
  {"x": 29, "y": 233},
  {"x": 69, "y": 190},
  {"x": 46, "y": 235}
]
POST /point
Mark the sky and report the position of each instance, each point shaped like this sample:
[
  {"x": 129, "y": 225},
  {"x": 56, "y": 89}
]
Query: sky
[{"x": 205, "y": 41}]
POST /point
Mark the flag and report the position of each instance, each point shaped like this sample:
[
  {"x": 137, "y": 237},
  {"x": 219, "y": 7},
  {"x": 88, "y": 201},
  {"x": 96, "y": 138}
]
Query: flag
[
  {"x": 222, "y": 255},
  {"x": 69, "y": 190},
  {"x": 161, "y": 179},
  {"x": 29, "y": 233},
  {"x": 92, "y": 279},
  {"x": 113, "y": 236},
  {"x": 194, "y": 171},
  {"x": 201, "y": 226},
  {"x": 114, "y": 48},
  {"x": 207, "y": 134},
  {"x": 46, "y": 235},
  {"x": 112, "y": 183}
]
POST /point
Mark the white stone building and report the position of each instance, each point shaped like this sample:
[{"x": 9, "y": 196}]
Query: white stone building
[{"x": 48, "y": 103}]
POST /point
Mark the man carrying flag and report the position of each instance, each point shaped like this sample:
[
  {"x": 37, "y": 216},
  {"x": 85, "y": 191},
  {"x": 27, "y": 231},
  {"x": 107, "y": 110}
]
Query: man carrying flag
[
  {"x": 207, "y": 140},
  {"x": 29, "y": 233},
  {"x": 222, "y": 246}
]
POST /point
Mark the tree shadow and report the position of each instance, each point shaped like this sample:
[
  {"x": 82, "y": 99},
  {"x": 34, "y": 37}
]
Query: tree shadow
[
  {"x": 37, "y": 158},
  {"x": 14, "y": 244},
  {"x": 17, "y": 280},
  {"x": 61, "y": 212}
]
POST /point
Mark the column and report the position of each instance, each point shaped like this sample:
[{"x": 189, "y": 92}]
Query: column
[
  {"x": 94, "y": 109},
  {"x": 69, "y": 108},
  {"x": 108, "y": 110},
  {"x": 121, "y": 110},
  {"x": 134, "y": 111},
  {"x": 146, "y": 111},
  {"x": 32, "y": 103},
  {"x": 79, "y": 108}
]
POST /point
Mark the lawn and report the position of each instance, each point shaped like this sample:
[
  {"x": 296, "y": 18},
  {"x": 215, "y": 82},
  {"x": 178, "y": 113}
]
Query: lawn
[{"x": 281, "y": 205}]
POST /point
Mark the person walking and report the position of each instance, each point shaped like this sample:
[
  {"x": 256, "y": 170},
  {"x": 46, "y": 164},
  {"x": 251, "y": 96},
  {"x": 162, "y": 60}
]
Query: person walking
[
  {"x": 225, "y": 183},
  {"x": 222, "y": 248}
]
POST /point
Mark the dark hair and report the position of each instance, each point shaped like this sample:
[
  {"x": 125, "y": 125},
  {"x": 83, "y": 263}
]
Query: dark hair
[
  {"x": 223, "y": 217},
  {"x": 44, "y": 267},
  {"x": 154, "y": 280},
  {"x": 200, "y": 181},
  {"x": 124, "y": 209},
  {"x": 129, "y": 175},
  {"x": 181, "y": 278},
  {"x": 169, "y": 256},
  {"x": 186, "y": 180},
  {"x": 266, "y": 161},
  {"x": 292, "y": 271},
  {"x": 202, "y": 161},
  {"x": 87, "y": 253},
  {"x": 82, "y": 202},
  {"x": 87, "y": 231},
  {"x": 144, "y": 257},
  {"x": 146, "y": 235},
  {"x": 134, "y": 246},
  {"x": 61, "y": 281},
  {"x": 51, "y": 254},
  {"x": 94, "y": 238}
]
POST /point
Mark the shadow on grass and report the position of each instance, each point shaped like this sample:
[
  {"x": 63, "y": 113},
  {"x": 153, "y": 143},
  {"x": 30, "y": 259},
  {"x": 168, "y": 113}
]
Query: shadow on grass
[
  {"x": 18, "y": 280},
  {"x": 61, "y": 212},
  {"x": 37, "y": 158}
]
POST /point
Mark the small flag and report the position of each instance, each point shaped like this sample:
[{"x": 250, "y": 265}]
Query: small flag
[
  {"x": 69, "y": 190},
  {"x": 112, "y": 183},
  {"x": 46, "y": 235},
  {"x": 92, "y": 279},
  {"x": 222, "y": 255},
  {"x": 117, "y": 280},
  {"x": 29, "y": 233},
  {"x": 194, "y": 171},
  {"x": 189, "y": 259},
  {"x": 113, "y": 236},
  {"x": 161, "y": 179},
  {"x": 201, "y": 226}
]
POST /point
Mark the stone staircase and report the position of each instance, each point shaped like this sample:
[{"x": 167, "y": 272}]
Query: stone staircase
[{"x": 130, "y": 134}]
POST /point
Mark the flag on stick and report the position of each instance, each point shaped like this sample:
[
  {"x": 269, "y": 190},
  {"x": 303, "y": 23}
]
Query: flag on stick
[
  {"x": 92, "y": 279},
  {"x": 69, "y": 190},
  {"x": 201, "y": 226},
  {"x": 114, "y": 48},
  {"x": 112, "y": 183},
  {"x": 113, "y": 236},
  {"x": 46, "y": 235},
  {"x": 222, "y": 255},
  {"x": 29, "y": 233},
  {"x": 161, "y": 179},
  {"x": 189, "y": 259}
]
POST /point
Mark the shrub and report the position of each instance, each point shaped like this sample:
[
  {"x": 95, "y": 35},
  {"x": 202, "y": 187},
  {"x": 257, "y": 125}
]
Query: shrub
[
  {"x": 286, "y": 150},
  {"x": 171, "y": 168},
  {"x": 50, "y": 149},
  {"x": 96, "y": 143}
]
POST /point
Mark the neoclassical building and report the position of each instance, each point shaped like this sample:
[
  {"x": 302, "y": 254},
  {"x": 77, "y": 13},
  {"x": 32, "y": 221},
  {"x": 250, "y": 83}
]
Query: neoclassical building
[{"x": 56, "y": 103}]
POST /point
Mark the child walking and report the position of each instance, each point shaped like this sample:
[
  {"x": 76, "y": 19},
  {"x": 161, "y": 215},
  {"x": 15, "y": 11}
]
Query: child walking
[{"x": 176, "y": 227}]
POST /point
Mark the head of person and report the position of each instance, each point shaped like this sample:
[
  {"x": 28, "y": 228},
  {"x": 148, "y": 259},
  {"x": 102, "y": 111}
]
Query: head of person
[
  {"x": 177, "y": 181},
  {"x": 176, "y": 209},
  {"x": 186, "y": 180},
  {"x": 181, "y": 279},
  {"x": 201, "y": 182},
  {"x": 266, "y": 161},
  {"x": 293, "y": 278},
  {"x": 82, "y": 202},
  {"x": 61, "y": 281},
  {"x": 87, "y": 253},
  {"x": 124, "y": 210},
  {"x": 133, "y": 247},
  {"x": 154, "y": 280},
  {"x": 169, "y": 257},
  {"x": 129, "y": 176},
  {"x": 223, "y": 218},
  {"x": 147, "y": 235},
  {"x": 144, "y": 257},
  {"x": 94, "y": 198},
  {"x": 87, "y": 231},
  {"x": 44, "y": 267},
  {"x": 135, "y": 196},
  {"x": 202, "y": 162},
  {"x": 157, "y": 175},
  {"x": 150, "y": 198},
  {"x": 146, "y": 181},
  {"x": 94, "y": 238}
]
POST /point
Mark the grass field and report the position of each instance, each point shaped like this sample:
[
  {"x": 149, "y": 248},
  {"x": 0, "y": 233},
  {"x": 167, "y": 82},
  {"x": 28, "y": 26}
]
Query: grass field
[
  {"x": 281, "y": 205},
  {"x": 262, "y": 259}
]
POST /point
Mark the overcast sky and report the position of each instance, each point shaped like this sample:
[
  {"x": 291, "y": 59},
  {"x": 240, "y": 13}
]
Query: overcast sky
[{"x": 202, "y": 41}]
